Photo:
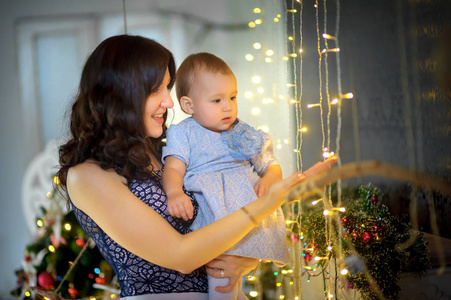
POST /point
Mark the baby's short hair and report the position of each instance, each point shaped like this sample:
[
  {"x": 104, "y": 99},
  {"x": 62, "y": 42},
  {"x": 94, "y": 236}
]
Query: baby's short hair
[{"x": 202, "y": 61}]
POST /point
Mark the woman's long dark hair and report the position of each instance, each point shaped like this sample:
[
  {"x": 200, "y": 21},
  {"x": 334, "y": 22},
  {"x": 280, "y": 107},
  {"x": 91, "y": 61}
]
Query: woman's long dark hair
[{"x": 106, "y": 122}]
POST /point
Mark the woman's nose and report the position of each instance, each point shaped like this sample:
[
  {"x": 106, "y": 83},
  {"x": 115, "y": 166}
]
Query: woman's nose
[{"x": 167, "y": 101}]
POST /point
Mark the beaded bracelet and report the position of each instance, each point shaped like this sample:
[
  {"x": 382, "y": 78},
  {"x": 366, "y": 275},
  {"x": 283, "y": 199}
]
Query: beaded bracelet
[{"x": 250, "y": 216}]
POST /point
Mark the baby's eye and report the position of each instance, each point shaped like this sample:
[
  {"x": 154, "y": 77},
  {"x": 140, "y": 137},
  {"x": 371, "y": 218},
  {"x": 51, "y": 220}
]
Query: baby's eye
[
  {"x": 233, "y": 98},
  {"x": 216, "y": 101}
]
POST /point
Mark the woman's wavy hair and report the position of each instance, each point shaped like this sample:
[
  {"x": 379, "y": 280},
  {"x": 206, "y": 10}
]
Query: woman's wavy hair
[{"x": 106, "y": 122}]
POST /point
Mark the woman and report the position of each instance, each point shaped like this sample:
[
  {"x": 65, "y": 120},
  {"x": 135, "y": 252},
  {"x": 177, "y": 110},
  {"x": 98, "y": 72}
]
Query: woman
[{"x": 111, "y": 171}]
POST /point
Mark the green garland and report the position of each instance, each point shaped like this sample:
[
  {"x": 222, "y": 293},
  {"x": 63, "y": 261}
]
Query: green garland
[{"x": 371, "y": 238}]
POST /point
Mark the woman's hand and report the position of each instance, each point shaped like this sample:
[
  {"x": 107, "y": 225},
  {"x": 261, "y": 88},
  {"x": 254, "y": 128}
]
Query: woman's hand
[{"x": 232, "y": 267}]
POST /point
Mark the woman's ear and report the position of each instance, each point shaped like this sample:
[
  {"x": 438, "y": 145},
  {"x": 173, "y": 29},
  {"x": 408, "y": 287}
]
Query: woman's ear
[{"x": 187, "y": 105}]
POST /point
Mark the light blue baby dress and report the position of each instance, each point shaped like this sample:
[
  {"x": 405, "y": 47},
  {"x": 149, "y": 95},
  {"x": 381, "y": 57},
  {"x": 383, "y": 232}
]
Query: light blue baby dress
[{"x": 222, "y": 170}]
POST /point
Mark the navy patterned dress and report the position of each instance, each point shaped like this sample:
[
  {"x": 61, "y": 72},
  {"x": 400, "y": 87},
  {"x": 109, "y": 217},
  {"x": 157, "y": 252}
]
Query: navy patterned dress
[{"x": 136, "y": 275}]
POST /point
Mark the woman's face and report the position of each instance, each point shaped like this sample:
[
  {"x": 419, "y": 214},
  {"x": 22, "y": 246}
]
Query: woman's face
[{"x": 155, "y": 106}]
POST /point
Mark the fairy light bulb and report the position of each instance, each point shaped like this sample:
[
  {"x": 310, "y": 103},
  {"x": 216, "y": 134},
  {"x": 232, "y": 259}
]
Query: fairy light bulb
[
  {"x": 249, "y": 57},
  {"x": 334, "y": 101},
  {"x": 301, "y": 50},
  {"x": 276, "y": 20},
  {"x": 49, "y": 195},
  {"x": 256, "y": 110},
  {"x": 292, "y": 10},
  {"x": 39, "y": 222},
  {"x": 286, "y": 141},
  {"x": 268, "y": 59},
  {"x": 313, "y": 105},
  {"x": 248, "y": 94},
  {"x": 268, "y": 101},
  {"x": 328, "y": 37},
  {"x": 326, "y": 212},
  {"x": 257, "y": 10},
  {"x": 251, "y": 24},
  {"x": 347, "y": 96},
  {"x": 67, "y": 226},
  {"x": 257, "y": 46},
  {"x": 258, "y": 21},
  {"x": 282, "y": 296},
  {"x": 256, "y": 79},
  {"x": 293, "y": 54},
  {"x": 285, "y": 58},
  {"x": 303, "y": 129},
  {"x": 260, "y": 90},
  {"x": 269, "y": 52},
  {"x": 317, "y": 201},
  {"x": 344, "y": 272},
  {"x": 290, "y": 38},
  {"x": 56, "y": 179},
  {"x": 51, "y": 248}
]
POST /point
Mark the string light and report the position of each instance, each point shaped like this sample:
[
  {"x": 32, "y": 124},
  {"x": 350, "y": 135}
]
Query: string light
[
  {"x": 269, "y": 52},
  {"x": 248, "y": 94},
  {"x": 256, "y": 110},
  {"x": 257, "y": 46},
  {"x": 329, "y": 37},
  {"x": 313, "y": 105},
  {"x": 330, "y": 50},
  {"x": 256, "y": 79},
  {"x": 344, "y": 272},
  {"x": 347, "y": 96},
  {"x": 317, "y": 201},
  {"x": 292, "y": 10},
  {"x": 257, "y": 10},
  {"x": 258, "y": 21},
  {"x": 249, "y": 57},
  {"x": 251, "y": 24},
  {"x": 303, "y": 129}
]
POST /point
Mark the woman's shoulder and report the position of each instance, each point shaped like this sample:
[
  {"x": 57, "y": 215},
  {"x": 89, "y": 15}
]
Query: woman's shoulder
[{"x": 90, "y": 172}]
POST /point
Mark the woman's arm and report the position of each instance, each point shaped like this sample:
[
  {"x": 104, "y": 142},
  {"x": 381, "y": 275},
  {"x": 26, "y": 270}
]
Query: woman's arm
[{"x": 104, "y": 196}]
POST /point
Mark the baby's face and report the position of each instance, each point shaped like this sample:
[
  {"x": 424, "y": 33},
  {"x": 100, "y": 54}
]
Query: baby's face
[{"x": 213, "y": 97}]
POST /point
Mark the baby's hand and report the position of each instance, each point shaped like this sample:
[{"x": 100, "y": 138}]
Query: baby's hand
[
  {"x": 262, "y": 186},
  {"x": 180, "y": 206}
]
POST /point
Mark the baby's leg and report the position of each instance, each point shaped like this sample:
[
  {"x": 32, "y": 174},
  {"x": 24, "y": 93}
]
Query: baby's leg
[{"x": 235, "y": 294}]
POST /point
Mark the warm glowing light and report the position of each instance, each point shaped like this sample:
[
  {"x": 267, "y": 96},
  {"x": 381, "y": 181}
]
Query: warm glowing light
[
  {"x": 56, "y": 179},
  {"x": 256, "y": 110},
  {"x": 317, "y": 201},
  {"x": 301, "y": 50},
  {"x": 344, "y": 271},
  {"x": 279, "y": 146},
  {"x": 328, "y": 154},
  {"x": 258, "y": 21},
  {"x": 276, "y": 20},
  {"x": 51, "y": 248},
  {"x": 264, "y": 128},
  {"x": 313, "y": 105},
  {"x": 334, "y": 101},
  {"x": 257, "y": 45},
  {"x": 282, "y": 297},
  {"x": 251, "y": 24},
  {"x": 257, "y": 10},
  {"x": 27, "y": 293},
  {"x": 268, "y": 101},
  {"x": 279, "y": 284},
  {"x": 251, "y": 278},
  {"x": 294, "y": 101},
  {"x": 39, "y": 223},
  {"x": 290, "y": 84},
  {"x": 328, "y": 37},
  {"x": 292, "y": 10},
  {"x": 49, "y": 195},
  {"x": 290, "y": 38},
  {"x": 303, "y": 129},
  {"x": 284, "y": 272},
  {"x": 288, "y": 222},
  {"x": 256, "y": 79},
  {"x": 260, "y": 90},
  {"x": 293, "y": 55},
  {"x": 330, "y": 296},
  {"x": 248, "y": 94},
  {"x": 268, "y": 59},
  {"x": 286, "y": 141},
  {"x": 342, "y": 209},
  {"x": 67, "y": 226},
  {"x": 285, "y": 58},
  {"x": 253, "y": 293},
  {"x": 347, "y": 96},
  {"x": 326, "y": 212},
  {"x": 329, "y": 248},
  {"x": 269, "y": 52},
  {"x": 249, "y": 57}
]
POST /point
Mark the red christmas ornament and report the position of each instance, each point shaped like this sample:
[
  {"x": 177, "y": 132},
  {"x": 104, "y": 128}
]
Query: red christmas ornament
[
  {"x": 100, "y": 280},
  {"x": 294, "y": 237},
  {"x": 46, "y": 281},
  {"x": 73, "y": 292},
  {"x": 307, "y": 257},
  {"x": 80, "y": 242},
  {"x": 375, "y": 200},
  {"x": 28, "y": 258},
  {"x": 367, "y": 237}
]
